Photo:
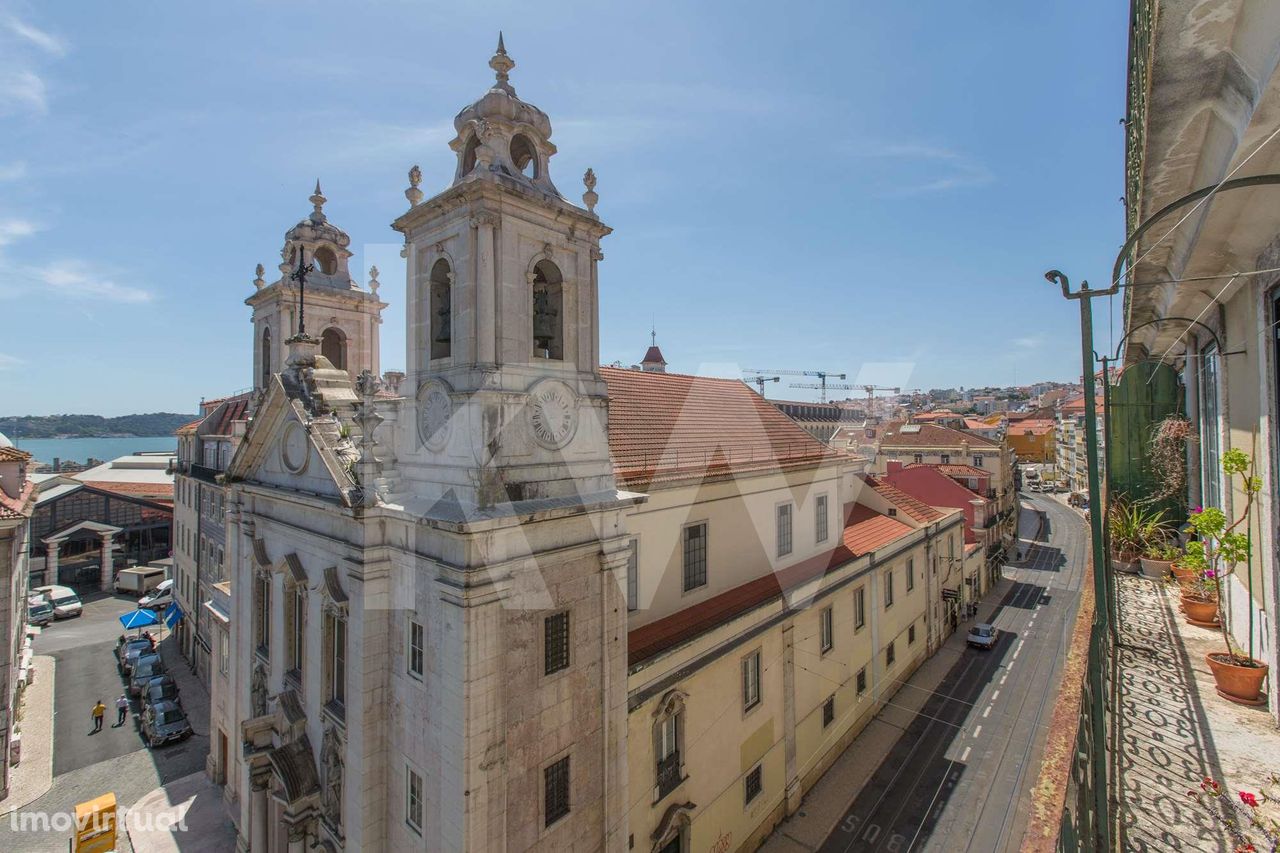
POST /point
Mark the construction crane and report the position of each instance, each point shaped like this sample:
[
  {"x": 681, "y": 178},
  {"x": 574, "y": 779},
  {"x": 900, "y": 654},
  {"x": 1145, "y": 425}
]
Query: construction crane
[
  {"x": 760, "y": 380},
  {"x": 822, "y": 375},
  {"x": 871, "y": 392},
  {"x": 825, "y": 386}
]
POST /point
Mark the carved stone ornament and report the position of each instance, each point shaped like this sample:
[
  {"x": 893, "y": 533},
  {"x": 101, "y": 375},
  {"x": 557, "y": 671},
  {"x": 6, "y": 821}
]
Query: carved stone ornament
[
  {"x": 294, "y": 448},
  {"x": 553, "y": 414},
  {"x": 435, "y": 413},
  {"x": 331, "y": 778},
  {"x": 258, "y": 691},
  {"x": 485, "y": 219}
]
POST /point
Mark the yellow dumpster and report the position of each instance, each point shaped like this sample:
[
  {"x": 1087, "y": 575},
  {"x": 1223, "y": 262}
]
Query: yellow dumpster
[{"x": 96, "y": 825}]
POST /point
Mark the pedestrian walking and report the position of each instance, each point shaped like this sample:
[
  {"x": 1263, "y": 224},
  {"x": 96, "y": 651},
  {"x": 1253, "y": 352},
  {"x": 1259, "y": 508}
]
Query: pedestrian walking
[
  {"x": 122, "y": 710},
  {"x": 98, "y": 711}
]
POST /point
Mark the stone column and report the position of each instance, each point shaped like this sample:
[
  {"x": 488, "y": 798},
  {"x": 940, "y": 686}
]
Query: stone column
[
  {"x": 792, "y": 786},
  {"x": 258, "y": 815},
  {"x": 486, "y": 289},
  {"x": 107, "y": 547},
  {"x": 297, "y": 839},
  {"x": 51, "y": 562}
]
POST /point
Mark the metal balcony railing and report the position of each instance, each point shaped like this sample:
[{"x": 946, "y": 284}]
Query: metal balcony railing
[{"x": 668, "y": 774}]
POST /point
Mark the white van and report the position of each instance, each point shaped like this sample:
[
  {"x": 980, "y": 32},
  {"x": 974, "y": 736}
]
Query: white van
[
  {"x": 139, "y": 580},
  {"x": 66, "y": 603}
]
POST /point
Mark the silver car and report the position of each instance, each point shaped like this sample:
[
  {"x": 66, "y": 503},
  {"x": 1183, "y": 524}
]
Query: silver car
[
  {"x": 147, "y": 668},
  {"x": 983, "y": 635}
]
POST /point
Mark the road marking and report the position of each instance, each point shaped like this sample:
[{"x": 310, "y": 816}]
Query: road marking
[
  {"x": 995, "y": 696},
  {"x": 964, "y": 756},
  {"x": 986, "y": 713},
  {"x": 1003, "y": 677},
  {"x": 977, "y": 731}
]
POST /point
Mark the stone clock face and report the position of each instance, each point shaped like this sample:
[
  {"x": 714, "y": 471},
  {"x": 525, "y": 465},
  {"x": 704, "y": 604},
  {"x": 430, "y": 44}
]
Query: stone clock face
[
  {"x": 434, "y": 412},
  {"x": 552, "y": 414},
  {"x": 293, "y": 448}
]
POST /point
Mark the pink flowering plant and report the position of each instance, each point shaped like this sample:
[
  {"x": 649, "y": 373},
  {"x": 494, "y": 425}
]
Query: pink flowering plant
[
  {"x": 1245, "y": 815},
  {"x": 1219, "y": 546}
]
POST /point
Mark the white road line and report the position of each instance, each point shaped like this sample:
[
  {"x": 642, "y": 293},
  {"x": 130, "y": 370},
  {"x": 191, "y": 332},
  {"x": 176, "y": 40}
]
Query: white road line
[
  {"x": 1003, "y": 677},
  {"x": 986, "y": 713},
  {"x": 995, "y": 696},
  {"x": 964, "y": 756},
  {"x": 977, "y": 731}
]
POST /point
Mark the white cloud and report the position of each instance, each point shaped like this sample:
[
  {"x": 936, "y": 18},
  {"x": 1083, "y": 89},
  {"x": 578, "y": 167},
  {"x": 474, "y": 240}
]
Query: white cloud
[
  {"x": 22, "y": 89},
  {"x": 1030, "y": 342},
  {"x": 75, "y": 279},
  {"x": 927, "y": 169},
  {"x": 47, "y": 42},
  {"x": 14, "y": 171},
  {"x": 9, "y": 362},
  {"x": 12, "y": 230}
]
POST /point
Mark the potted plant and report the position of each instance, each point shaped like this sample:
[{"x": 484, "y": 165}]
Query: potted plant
[
  {"x": 1199, "y": 585},
  {"x": 1124, "y": 524},
  {"x": 1221, "y": 548},
  {"x": 1158, "y": 558}
]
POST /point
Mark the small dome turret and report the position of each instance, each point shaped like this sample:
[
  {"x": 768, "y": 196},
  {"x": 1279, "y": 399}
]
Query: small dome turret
[{"x": 323, "y": 244}]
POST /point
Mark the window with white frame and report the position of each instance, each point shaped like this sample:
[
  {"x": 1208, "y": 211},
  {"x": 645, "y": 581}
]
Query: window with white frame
[
  {"x": 826, "y": 629},
  {"x": 859, "y": 607},
  {"x": 751, "y": 680},
  {"x": 1210, "y": 429},
  {"x": 784, "y": 530},
  {"x": 666, "y": 742},
  {"x": 413, "y": 800},
  {"x": 416, "y": 647},
  {"x": 820, "y": 520},
  {"x": 224, "y": 653}
]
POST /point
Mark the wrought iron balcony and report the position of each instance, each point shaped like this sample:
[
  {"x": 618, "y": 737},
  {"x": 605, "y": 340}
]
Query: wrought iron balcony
[{"x": 668, "y": 774}]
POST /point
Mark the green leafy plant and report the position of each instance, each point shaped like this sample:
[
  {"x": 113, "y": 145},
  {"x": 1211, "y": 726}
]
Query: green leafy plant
[
  {"x": 1131, "y": 526},
  {"x": 1219, "y": 546},
  {"x": 1162, "y": 551}
]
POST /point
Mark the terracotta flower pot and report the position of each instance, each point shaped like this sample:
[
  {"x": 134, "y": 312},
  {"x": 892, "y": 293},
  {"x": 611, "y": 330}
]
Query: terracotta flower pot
[
  {"x": 1199, "y": 612},
  {"x": 1156, "y": 569},
  {"x": 1183, "y": 573},
  {"x": 1124, "y": 563},
  {"x": 1240, "y": 684}
]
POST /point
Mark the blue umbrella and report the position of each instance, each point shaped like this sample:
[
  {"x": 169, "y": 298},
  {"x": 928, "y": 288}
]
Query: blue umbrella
[{"x": 138, "y": 619}]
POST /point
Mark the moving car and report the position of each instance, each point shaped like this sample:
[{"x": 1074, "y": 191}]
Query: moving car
[
  {"x": 162, "y": 688},
  {"x": 146, "y": 668},
  {"x": 130, "y": 649},
  {"x": 39, "y": 611},
  {"x": 66, "y": 604},
  {"x": 159, "y": 598},
  {"x": 983, "y": 635},
  {"x": 164, "y": 722}
]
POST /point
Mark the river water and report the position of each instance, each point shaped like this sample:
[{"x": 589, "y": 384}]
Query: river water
[{"x": 80, "y": 449}]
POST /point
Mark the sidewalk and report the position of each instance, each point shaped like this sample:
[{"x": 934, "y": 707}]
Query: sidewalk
[
  {"x": 33, "y": 777},
  {"x": 187, "y": 815},
  {"x": 827, "y": 801}
]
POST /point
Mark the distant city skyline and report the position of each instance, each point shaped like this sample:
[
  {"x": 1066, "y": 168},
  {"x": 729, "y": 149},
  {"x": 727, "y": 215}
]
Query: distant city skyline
[{"x": 862, "y": 206}]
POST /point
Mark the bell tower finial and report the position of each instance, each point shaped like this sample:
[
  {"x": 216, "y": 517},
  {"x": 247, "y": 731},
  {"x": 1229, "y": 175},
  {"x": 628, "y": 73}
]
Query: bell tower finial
[
  {"x": 317, "y": 199},
  {"x": 502, "y": 65}
]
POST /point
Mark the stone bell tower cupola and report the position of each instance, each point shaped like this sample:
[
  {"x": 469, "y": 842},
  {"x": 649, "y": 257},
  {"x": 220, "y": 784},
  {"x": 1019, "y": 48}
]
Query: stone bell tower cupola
[
  {"x": 503, "y": 313},
  {"x": 315, "y": 289}
]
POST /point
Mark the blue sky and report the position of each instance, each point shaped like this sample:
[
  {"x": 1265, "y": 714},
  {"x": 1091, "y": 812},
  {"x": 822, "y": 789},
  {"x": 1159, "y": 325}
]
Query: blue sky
[{"x": 862, "y": 187}]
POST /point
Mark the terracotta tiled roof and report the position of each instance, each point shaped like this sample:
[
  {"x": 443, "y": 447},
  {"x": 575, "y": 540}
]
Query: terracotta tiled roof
[
  {"x": 13, "y": 454},
  {"x": 930, "y": 435},
  {"x": 21, "y": 506},
  {"x": 666, "y": 427},
  {"x": 188, "y": 429},
  {"x": 865, "y": 531},
  {"x": 952, "y": 470},
  {"x": 236, "y": 409},
  {"x": 157, "y": 491},
  {"x": 911, "y": 505}
]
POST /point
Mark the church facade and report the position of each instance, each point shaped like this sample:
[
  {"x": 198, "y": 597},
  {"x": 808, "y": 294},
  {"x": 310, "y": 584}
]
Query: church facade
[{"x": 514, "y": 600}]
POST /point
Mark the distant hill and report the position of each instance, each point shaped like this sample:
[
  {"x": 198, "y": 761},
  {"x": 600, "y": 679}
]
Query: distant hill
[{"x": 92, "y": 426}]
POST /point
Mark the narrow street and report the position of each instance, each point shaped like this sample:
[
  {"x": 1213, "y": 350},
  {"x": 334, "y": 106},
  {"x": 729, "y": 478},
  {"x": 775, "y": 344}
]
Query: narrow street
[{"x": 957, "y": 777}]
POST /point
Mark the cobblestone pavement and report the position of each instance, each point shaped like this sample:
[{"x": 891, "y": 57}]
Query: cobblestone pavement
[{"x": 1173, "y": 729}]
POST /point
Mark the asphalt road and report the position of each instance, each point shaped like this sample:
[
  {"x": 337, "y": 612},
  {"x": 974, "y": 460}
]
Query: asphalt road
[{"x": 957, "y": 779}]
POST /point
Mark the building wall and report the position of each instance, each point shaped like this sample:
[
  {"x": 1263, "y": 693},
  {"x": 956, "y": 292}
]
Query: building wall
[{"x": 13, "y": 629}]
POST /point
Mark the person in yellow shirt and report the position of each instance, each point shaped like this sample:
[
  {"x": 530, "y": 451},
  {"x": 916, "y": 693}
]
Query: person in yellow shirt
[{"x": 98, "y": 711}]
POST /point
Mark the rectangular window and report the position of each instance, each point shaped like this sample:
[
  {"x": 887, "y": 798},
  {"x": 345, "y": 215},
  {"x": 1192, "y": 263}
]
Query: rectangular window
[
  {"x": 224, "y": 653},
  {"x": 918, "y": 458},
  {"x": 555, "y": 652},
  {"x": 263, "y": 616},
  {"x": 415, "y": 654},
  {"x": 695, "y": 556},
  {"x": 911, "y": 574},
  {"x": 297, "y": 630},
  {"x": 413, "y": 800},
  {"x": 889, "y": 656},
  {"x": 859, "y": 607},
  {"x": 751, "y": 681},
  {"x": 1210, "y": 430},
  {"x": 828, "y": 711},
  {"x": 888, "y": 589},
  {"x": 946, "y": 459},
  {"x": 753, "y": 784},
  {"x": 951, "y": 548},
  {"x": 555, "y": 790},
  {"x": 337, "y": 659},
  {"x": 633, "y": 577},
  {"x": 820, "y": 519},
  {"x": 977, "y": 461},
  {"x": 826, "y": 629},
  {"x": 911, "y": 635},
  {"x": 668, "y": 754},
  {"x": 784, "y": 530},
  {"x": 862, "y": 681}
]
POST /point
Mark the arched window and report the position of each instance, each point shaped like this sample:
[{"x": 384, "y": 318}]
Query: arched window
[
  {"x": 524, "y": 156},
  {"x": 668, "y": 743},
  {"x": 469, "y": 154},
  {"x": 441, "y": 309},
  {"x": 265, "y": 356},
  {"x": 333, "y": 346},
  {"x": 548, "y": 311},
  {"x": 325, "y": 260}
]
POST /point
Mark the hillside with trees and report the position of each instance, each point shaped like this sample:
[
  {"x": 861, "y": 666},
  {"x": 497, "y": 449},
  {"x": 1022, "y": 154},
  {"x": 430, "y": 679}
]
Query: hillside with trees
[{"x": 92, "y": 426}]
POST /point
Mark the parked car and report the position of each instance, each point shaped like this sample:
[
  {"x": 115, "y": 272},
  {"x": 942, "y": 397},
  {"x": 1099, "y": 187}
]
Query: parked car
[
  {"x": 162, "y": 688},
  {"x": 146, "y": 668},
  {"x": 39, "y": 611},
  {"x": 983, "y": 635},
  {"x": 164, "y": 722},
  {"x": 140, "y": 580},
  {"x": 159, "y": 598},
  {"x": 129, "y": 649},
  {"x": 66, "y": 604}
]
